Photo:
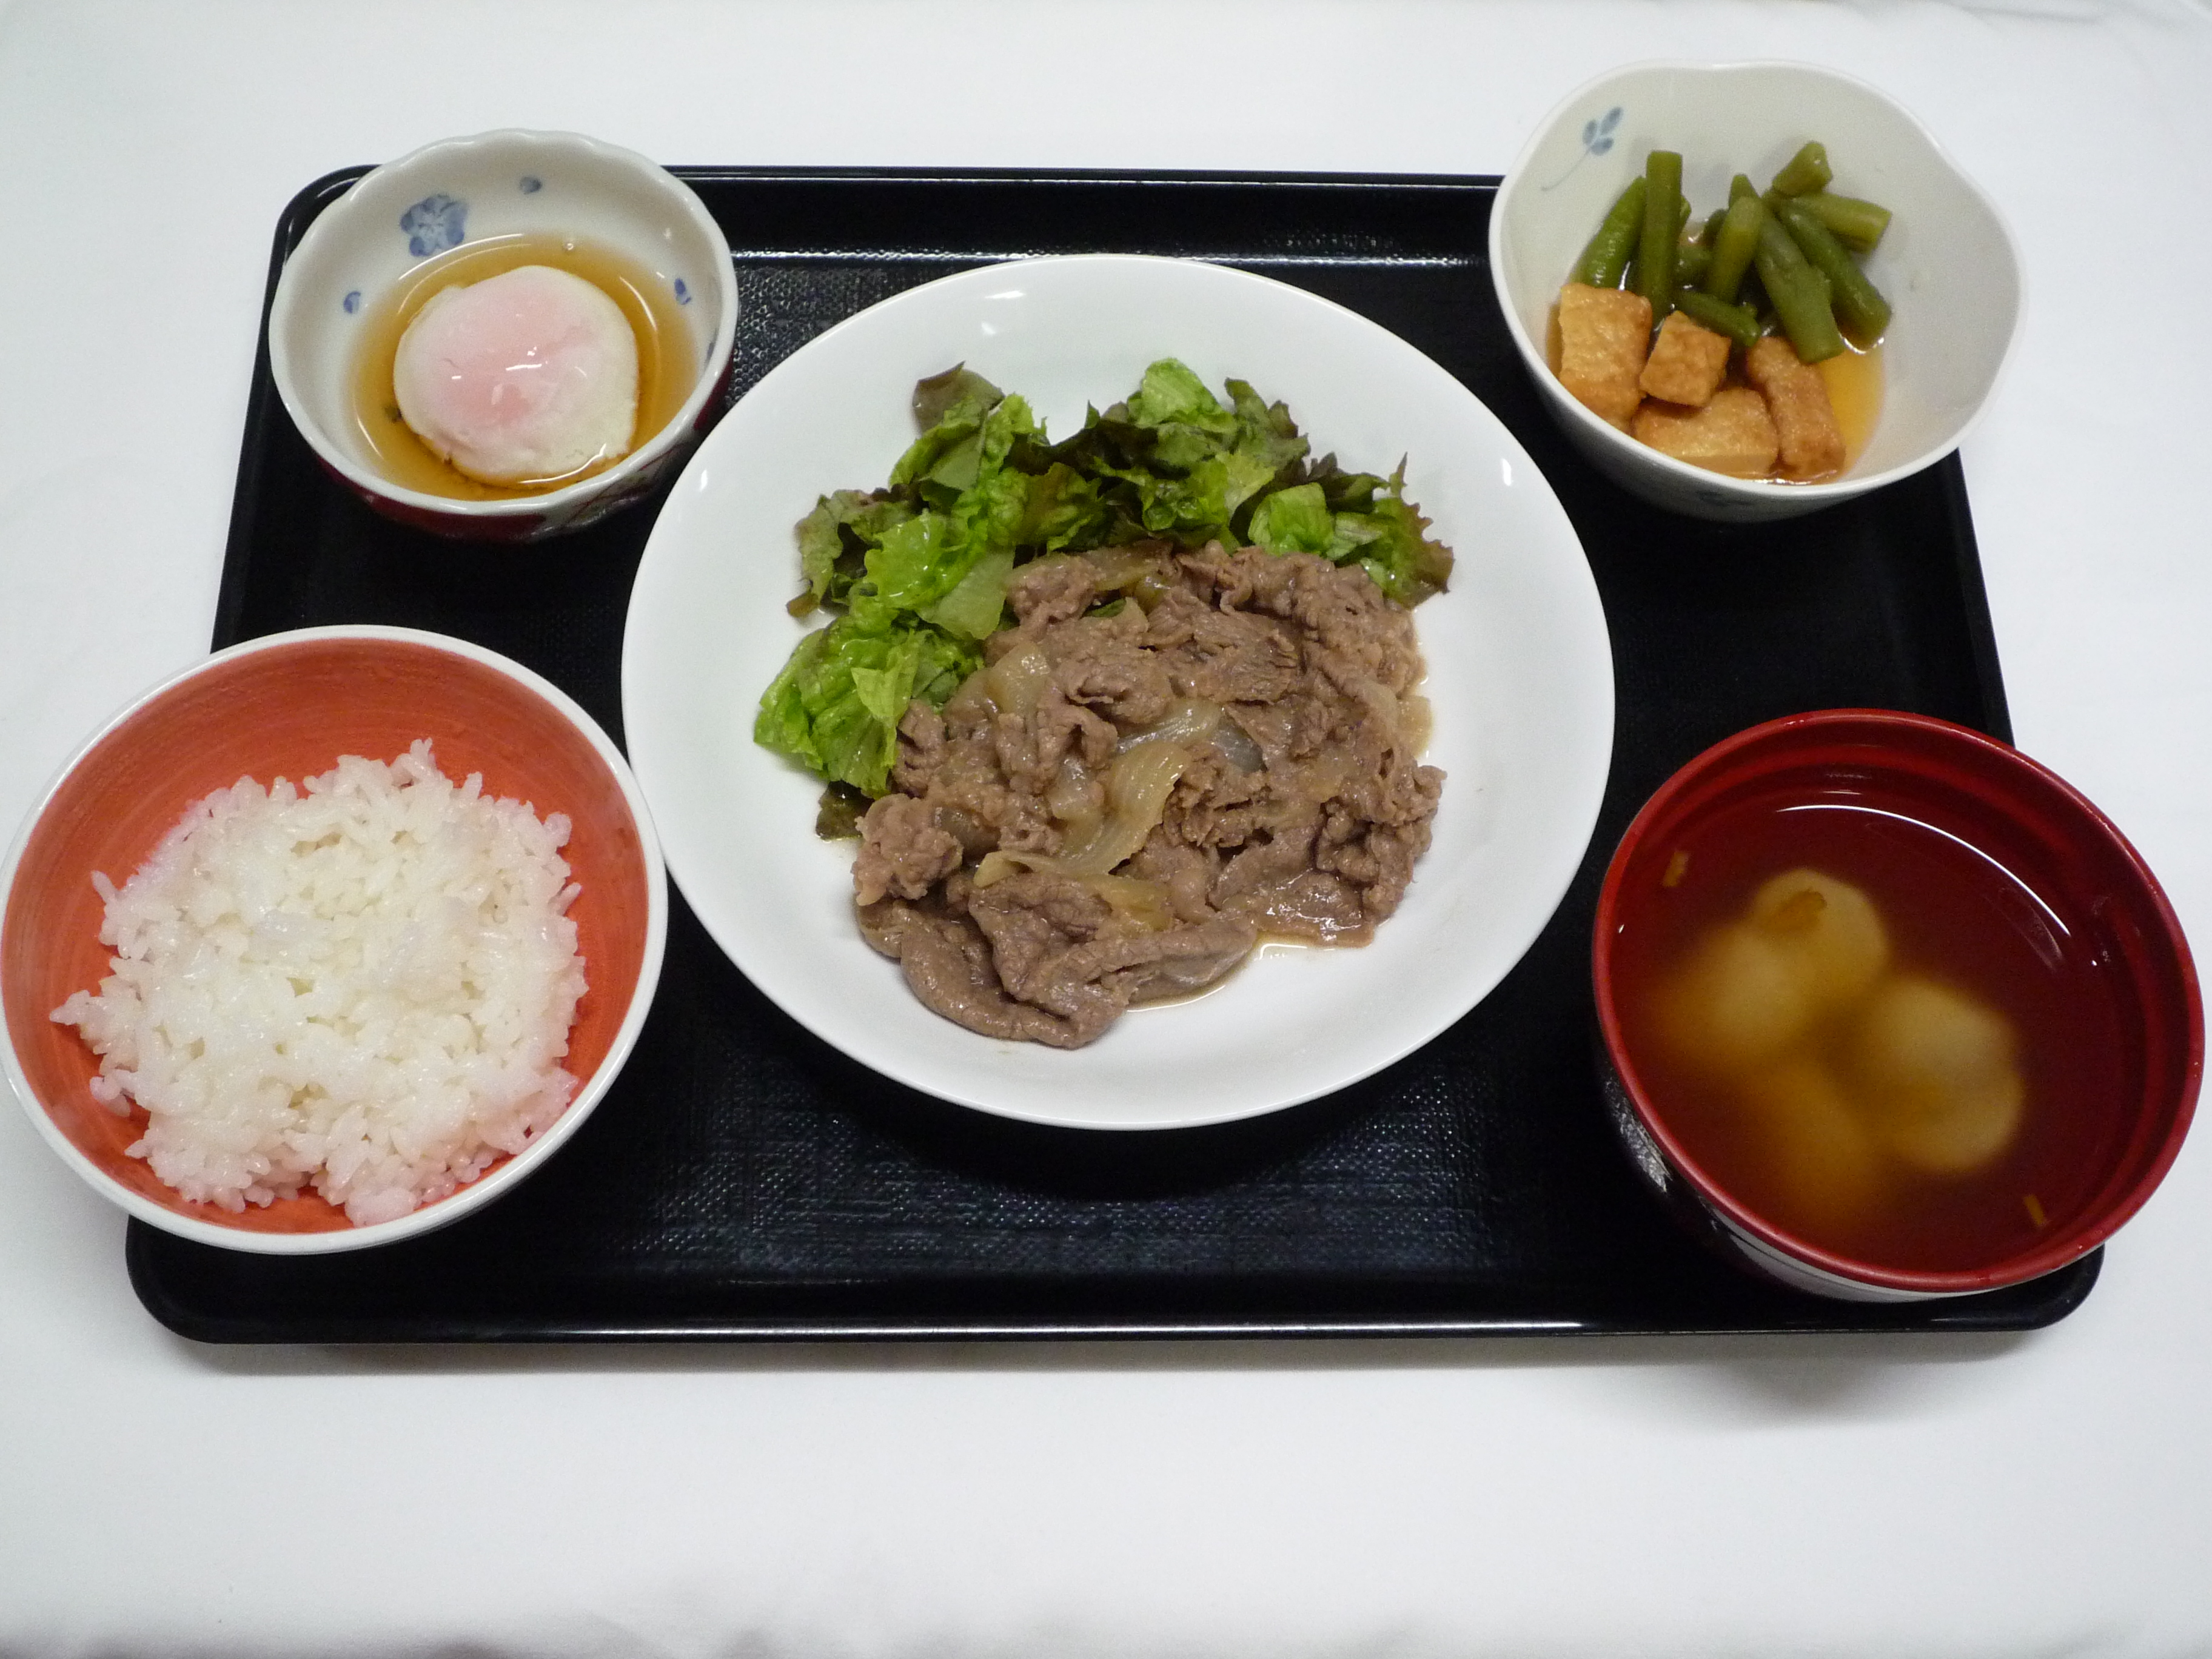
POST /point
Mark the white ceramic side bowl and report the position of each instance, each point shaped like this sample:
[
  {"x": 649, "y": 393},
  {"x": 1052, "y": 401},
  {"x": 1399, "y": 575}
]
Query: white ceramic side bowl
[
  {"x": 289, "y": 705},
  {"x": 1947, "y": 264},
  {"x": 459, "y": 191}
]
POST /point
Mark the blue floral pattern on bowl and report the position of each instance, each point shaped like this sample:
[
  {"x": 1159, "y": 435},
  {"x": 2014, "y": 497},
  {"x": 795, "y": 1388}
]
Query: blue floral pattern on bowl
[
  {"x": 682, "y": 294},
  {"x": 434, "y": 224},
  {"x": 1597, "y": 139},
  {"x": 531, "y": 184}
]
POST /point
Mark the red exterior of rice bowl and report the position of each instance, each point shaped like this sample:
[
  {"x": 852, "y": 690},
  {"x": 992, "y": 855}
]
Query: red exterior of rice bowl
[{"x": 1992, "y": 818}]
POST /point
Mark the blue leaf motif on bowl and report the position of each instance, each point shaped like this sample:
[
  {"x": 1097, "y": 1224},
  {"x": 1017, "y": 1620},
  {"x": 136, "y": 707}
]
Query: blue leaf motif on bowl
[
  {"x": 434, "y": 224},
  {"x": 682, "y": 294},
  {"x": 531, "y": 184},
  {"x": 352, "y": 302},
  {"x": 1597, "y": 139},
  {"x": 1597, "y": 134}
]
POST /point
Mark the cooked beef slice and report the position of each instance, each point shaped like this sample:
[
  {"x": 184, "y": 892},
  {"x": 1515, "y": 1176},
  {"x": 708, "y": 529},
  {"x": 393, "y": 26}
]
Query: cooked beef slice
[
  {"x": 948, "y": 966},
  {"x": 921, "y": 750},
  {"x": 1224, "y": 655},
  {"x": 902, "y": 851},
  {"x": 1055, "y": 589},
  {"x": 1059, "y": 946},
  {"x": 1297, "y": 808}
]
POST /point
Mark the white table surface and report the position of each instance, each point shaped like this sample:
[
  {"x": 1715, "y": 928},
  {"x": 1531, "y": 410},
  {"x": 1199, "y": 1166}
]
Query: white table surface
[{"x": 2049, "y": 1493}]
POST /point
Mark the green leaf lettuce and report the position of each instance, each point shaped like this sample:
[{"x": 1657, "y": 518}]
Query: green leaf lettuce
[{"x": 836, "y": 706}]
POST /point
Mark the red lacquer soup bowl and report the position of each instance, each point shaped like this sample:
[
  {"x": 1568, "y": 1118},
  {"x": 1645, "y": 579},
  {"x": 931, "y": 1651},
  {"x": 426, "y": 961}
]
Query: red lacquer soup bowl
[
  {"x": 290, "y": 705},
  {"x": 1890, "y": 1010}
]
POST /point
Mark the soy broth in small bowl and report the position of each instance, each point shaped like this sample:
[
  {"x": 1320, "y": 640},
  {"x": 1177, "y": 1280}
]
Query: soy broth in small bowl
[{"x": 1890, "y": 1010}]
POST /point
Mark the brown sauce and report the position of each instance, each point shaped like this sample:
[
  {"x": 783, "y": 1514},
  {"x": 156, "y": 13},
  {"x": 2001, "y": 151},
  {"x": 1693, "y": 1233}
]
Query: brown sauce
[{"x": 666, "y": 374}]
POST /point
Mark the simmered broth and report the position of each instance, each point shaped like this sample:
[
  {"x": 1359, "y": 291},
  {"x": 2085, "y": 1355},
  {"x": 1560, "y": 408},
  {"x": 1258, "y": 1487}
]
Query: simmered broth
[{"x": 1854, "y": 383}]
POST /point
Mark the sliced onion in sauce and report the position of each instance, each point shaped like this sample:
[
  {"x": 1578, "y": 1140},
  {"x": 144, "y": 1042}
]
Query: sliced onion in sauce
[
  {"x": 1018, "y": 679},
  {"x": 1189, "y": 721},
  {"x": 1381, "y": 703},
  {"x": 972, "y": 704},
  {"x": 1075, "y": 798},
  {"x": 1236, "y": 746},
  {"x": 1136, "y": 796},
  {"x": 1144, "y": 902},
  {"x": 1123, "y": 567}
]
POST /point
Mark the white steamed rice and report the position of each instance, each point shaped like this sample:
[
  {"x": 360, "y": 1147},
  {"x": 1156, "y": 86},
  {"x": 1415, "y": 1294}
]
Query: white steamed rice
[{"x": 366, "y": 986}]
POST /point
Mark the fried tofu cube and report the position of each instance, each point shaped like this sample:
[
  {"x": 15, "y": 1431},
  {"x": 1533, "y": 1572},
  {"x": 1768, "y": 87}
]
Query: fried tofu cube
[
  {"x": 1686, "y": 363},
  {"x": 1604, "y": 336},
  {"x": 1732, "y": 434},
  {"x": 1797, "y": 398}
]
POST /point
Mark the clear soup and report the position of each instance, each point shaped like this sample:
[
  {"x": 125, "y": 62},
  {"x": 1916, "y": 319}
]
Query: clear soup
[{"x": 1955, "y": 917}]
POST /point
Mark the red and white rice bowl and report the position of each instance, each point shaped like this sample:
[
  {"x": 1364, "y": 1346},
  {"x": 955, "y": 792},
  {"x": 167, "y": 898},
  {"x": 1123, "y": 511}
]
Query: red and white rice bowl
[{"x": 292, "y": 705}]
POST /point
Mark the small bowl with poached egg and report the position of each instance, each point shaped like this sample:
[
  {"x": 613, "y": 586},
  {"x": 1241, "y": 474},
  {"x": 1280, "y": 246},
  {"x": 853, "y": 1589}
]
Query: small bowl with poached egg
[{"x": 506, "y": 335}]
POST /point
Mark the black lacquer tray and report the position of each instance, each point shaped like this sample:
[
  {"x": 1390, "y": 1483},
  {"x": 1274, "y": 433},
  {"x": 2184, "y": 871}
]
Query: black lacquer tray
[{"x": 743, "y": 1179}]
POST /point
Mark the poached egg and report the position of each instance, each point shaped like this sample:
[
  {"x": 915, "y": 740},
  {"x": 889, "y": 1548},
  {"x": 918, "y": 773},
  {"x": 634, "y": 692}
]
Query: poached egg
[{"x": 527, "y": 376}]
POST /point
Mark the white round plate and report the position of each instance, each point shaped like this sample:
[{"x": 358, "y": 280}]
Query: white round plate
[{"x": 1520, "y": 675}]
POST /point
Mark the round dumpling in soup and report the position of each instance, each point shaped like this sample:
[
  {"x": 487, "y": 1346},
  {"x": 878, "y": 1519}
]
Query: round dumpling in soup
[
  {"x": 1936, "y": 1071},
  {"x": 1810, "y": 947},
  {"x": 1829, "y": 930},
  {"x": 1738, "y": 1003},
  {"x": 1825, "y": 1168}
]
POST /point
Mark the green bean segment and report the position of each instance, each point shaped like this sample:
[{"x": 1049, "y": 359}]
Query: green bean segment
[
  {"x": 1737, "y": 322},
  {"x": 1634, "y": 281},
  {"x": 1808, "y": 170},
  {"x": 1799, "y": 291},
  {"x": 1857, "y": 302},
  {"x": 1662, "y": 225},
  {"x": 1857, "y": 225},
  {"x": 1734, "y": 248},
  {"x": 1780, "y": 257},
  {"x": 1753, "y": 294},
  {"x": 1607, "y": 256}
]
